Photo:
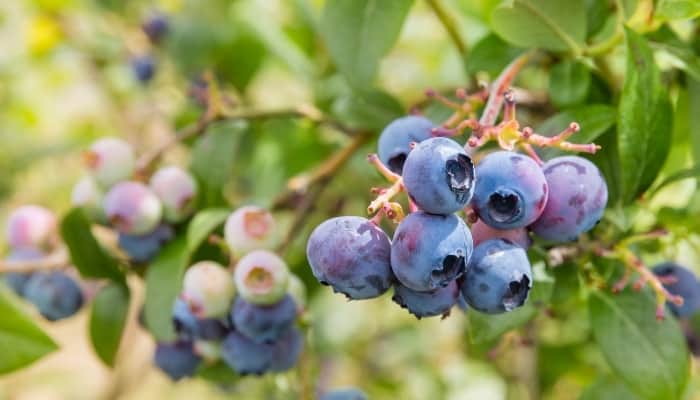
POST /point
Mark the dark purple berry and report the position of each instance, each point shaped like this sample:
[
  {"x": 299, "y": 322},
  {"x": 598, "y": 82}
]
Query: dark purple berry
[
  {"x": 427, "y": 304},
  {"x": 264, "y": 323},
  {"x": 177, "y": 360},
  {"x": 246, "y": 356},
  {"x": 680, "y": 281},
  {"x": 395, "y": 140},
  {"x": 55, "y": 294}
]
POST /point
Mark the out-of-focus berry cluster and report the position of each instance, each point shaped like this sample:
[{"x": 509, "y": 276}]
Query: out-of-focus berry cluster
[
  {"x": 143, "y": 213},
  {"x": 245, "y": 314},
  {"x": 31, "y": 235}
]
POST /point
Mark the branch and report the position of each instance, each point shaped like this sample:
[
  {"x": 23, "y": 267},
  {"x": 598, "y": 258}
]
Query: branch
[
  {"x": 56, "y": 260},
  {"x": 450, "y": 24}
]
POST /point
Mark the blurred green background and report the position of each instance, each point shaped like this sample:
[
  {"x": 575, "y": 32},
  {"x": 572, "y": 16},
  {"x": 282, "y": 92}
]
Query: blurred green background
[{"x": 66, "y": 78}]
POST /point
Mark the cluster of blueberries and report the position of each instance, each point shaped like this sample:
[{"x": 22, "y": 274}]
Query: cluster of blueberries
[
  {"x": 155, "y": 27},
  {"x": 31, "y": 235},
  {"x": 435, "y": 260},
  {"x": 142, "y": 214},
  {"x": 247, "y": 317}
]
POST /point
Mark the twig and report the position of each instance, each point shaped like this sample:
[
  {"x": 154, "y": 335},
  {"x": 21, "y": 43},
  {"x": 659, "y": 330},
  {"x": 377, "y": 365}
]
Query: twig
[
  {"x": 56, "y": 260},
  {"x": 450, "y": 24}
]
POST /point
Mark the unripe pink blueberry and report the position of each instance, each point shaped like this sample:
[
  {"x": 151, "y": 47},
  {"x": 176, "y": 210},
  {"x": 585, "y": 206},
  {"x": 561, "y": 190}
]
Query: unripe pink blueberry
[
  {"x": 261, "y": 277},
  {"x": 208, "y": 289},
  {"x": 249, "y": 228},
  {"x": 110, "y": 160},
  {"x": 132, "y": 208},
  {"x": 88, "y": 195},
  {"x": 31, "y": 226},
  {"x": 481, "y": 232},
  {"x": 177, "y": 190}
]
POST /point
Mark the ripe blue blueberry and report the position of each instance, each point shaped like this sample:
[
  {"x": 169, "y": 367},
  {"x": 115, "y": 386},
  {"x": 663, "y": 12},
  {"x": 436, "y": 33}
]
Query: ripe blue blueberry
[
  {"x": 144, "y": 67},
  {"x": 427, "y": 304},
  {"x": 511, "y": 190},
  {"x": 482, "y": 232},
  {"x": 188, "y": 326},
  {"x": 31, "y": 226},
  {"x": 208, "y": 290},
  {"x": 439, "y": 176},
  {"x": 395, "y": 140},
  {"x": 261, "y": 277},
  {"x": 286, "y": 350},
  {"x": 143, "y": 248},
  {"x": 578, "y": 195},
  {"x": 429, "y": 251},
  {"x": 246, "y": 356},
  {"x": 498, "y": 278},
  {"x": 155, "y": 27},
  {"x": 352, "y": 255},
  {"x": 264, "y": 323},
  {"x": 18, "y": 280},
  {"x": 55, "y": 294},
  {"x": 110, "y": 160},
  {"x": 344, "y": 394},
  {"x": 682, "y": 282},
  {"x": 177, "y": 360},
  {"x": 132, "y": 208}
]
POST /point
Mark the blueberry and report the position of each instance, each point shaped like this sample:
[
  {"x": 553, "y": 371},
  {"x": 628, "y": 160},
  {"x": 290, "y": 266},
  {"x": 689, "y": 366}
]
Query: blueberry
[
  {"x": 54, "y": 294},
  {"x": 261, "y": 277},
  {"x": 177, "y": 360},
  {"x": 578, "y": 195},
  {"x": 249, "y": 228},
  {"x": 439, "y": 176},
  {"x": 246, "y": 356},
  {"x": 155, "y": 27},
  {"x": 511, "y": 190},
  {"x": 482, "y": 232},
  {"x": 31, "y": 226},
  {"x": 264, "y": 323},
  {"x": 208, "y": 290},
  {"x": 132, "y": 208},
  {"x": 352, "y": 255},
  {"x": 286, "y": 350},
  {"x": 144, "y": 248},
  {"x": 110, "y": 160},
  {"x": 88, "y": 195},
  {"x": 177, "y": 190},
  {"x": 427, "y": 304},
  {"x": 395, "y": 140},
  {"x": 498, "y": 278},
  {"x": 188, "y": 326},
  {"x": 430, "y": 251},
  {"x": 344, "y": 394},
  {"x": 685, "y": 284},
  {"x": 144, "y": 67},
  {"x": 18, "y": 280}
]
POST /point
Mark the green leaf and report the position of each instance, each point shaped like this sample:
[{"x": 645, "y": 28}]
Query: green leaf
[
  {"x": 358, "y": 33},
  {"x": 644, "y": 121},
  {"x": 594, "y": 120},
  {"x": 484, "y": 327},
  {"x": 569, "y": 82},
  {"x": 371, "y": 110},
  {"x": 692, "y": 172},
  {"x": 107, "y": 320},
  {"x": 677, "y": 9},
  {"x": 650, "y": 356},
  {"x": 21, "y": 340},
  {"x": 491, "y": 54},
  {"x": 607, "y": 389},
  {"x": 548, "y": 24},
  {"x": 219, "y": 373},
  {"x": 694, "y": 117},
  {"x": 85, "y": 252},
  {"x": 213, "y": 158},
  {"x": 163, "y": 283},
  {"x": 202, "y": 226}
]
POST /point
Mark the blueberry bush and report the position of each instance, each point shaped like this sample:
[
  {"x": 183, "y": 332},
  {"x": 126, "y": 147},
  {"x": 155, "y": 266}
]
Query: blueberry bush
[{"x": 236, "y": 199}]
